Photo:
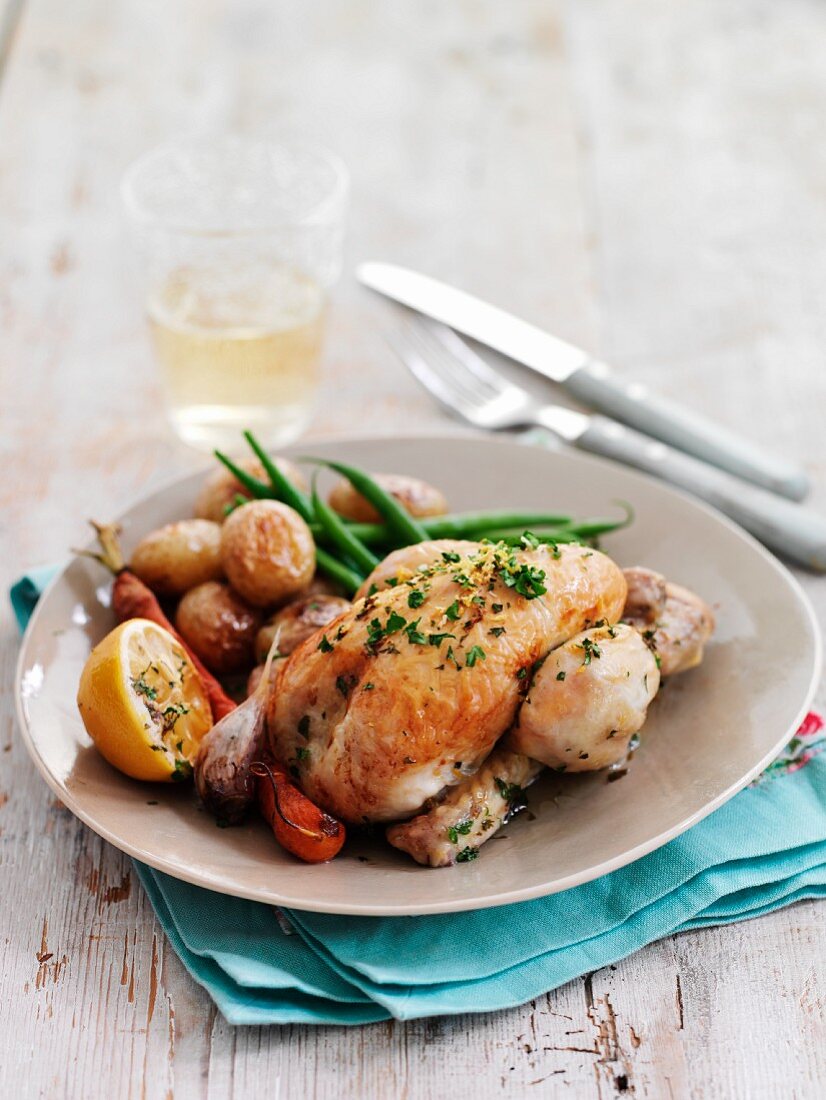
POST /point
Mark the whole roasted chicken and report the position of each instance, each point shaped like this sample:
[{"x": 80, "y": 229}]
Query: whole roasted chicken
[
  {"x": 408, "y": 691},
  {"x": 400, "y": 706}
]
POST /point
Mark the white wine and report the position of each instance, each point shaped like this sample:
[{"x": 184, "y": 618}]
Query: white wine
[{"x": 238, "y": 349}]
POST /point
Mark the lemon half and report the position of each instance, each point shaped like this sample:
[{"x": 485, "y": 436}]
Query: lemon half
[{"x": 142, "y": 702}]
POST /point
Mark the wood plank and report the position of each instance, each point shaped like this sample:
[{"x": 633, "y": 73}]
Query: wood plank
[{"x": 643, "y": 179}]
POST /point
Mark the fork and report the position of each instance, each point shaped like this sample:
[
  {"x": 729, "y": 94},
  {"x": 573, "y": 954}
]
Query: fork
[{"x": 461, "y": 381}]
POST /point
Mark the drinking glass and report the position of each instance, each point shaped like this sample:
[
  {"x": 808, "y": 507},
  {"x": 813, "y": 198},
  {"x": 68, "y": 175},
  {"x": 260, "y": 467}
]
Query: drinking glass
[{"x": 240, "y": 241}]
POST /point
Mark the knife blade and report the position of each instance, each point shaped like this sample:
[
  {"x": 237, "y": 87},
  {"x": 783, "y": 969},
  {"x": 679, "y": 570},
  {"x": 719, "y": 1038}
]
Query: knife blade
[{"x": 584, "y": 377}]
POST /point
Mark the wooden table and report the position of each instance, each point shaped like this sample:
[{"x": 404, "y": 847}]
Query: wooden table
[{"x": 646, "y": 178}]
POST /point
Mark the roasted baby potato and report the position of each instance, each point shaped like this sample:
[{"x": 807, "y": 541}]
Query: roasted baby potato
[
  {"x": 219, "y": 625},
  {"x": 268, "y": 552},
  {"x": 295, "y": 623},
  {"x": 179, "y": 556},
  {"x": 220, "y": 488},
  {"x": 419, "y": 498}
]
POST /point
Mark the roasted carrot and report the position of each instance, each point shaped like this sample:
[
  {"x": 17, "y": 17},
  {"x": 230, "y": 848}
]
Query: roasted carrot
[{"x": 298, "y": 824}]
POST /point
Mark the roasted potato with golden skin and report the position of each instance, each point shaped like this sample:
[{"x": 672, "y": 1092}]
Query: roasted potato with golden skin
[
  {"x": 295, "y": 623},
  {"x": 415, "y": 495},
  {"x": 179, "y": 556},
  {"x": 219, "y": 625},
  {"x": 268, "y": 552},
  {"x": 220, "y": 488}
]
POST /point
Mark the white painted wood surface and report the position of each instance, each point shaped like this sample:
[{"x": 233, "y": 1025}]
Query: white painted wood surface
[{"x": 647, "y": 178}]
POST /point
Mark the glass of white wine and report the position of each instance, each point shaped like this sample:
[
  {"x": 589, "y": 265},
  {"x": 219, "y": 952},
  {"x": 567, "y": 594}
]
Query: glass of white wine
[{"x": 241, "y": 241}]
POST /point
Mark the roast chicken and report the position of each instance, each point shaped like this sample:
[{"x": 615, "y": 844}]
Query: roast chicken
[
  {"x": 406, "y": 693},
  {"x": 463, "y": 669}
]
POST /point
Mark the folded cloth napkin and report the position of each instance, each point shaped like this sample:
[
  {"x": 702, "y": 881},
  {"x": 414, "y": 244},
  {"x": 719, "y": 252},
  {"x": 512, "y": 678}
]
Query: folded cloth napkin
[{"x": 763, "y": 849}]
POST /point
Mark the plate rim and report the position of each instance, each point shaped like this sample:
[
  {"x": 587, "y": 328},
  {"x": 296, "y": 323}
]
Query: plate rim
[{"x": 508, "y": 897}]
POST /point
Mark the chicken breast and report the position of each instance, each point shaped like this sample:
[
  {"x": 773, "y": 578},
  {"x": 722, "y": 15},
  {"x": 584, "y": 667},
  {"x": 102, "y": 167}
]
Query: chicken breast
[
  {"x": 587, "y": 700},
  {"x": 407, "y": 693},
  {"x": 403, "y": 564}
]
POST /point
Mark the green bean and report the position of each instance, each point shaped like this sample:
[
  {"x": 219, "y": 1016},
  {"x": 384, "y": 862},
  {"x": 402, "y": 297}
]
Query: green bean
[
  {"x": 467, "y": 524},
  {"x": 400, "y": 523},
  {"x": 459, "y": 525},
  {"x": 348, "y": 578},
  {"x": 283, "y": 488},
  {"x": 341, "y": 536},
  {"x": 599, "y": 526},
  {"x": 259, "y": 489}
]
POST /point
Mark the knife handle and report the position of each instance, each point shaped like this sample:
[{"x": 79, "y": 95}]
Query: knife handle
[
  {"x": 597, "y": 386},
  {"x": 789, "y": 529}
]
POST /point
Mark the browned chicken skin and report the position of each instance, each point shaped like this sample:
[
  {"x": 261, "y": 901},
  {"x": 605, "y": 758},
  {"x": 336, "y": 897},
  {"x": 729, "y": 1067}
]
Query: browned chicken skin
[{"x": 404, "y": 695}]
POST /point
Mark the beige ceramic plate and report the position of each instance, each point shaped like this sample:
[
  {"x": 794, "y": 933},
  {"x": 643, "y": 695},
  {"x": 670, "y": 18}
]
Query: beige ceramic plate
[{"x": 709, "y": 733}]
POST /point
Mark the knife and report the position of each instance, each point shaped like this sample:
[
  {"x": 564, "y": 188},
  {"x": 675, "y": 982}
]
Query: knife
[{"x": 585, "y": 378}]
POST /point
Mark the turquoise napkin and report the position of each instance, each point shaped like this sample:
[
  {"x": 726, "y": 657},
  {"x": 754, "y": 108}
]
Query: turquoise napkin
[{"x": 763, "y": 849}]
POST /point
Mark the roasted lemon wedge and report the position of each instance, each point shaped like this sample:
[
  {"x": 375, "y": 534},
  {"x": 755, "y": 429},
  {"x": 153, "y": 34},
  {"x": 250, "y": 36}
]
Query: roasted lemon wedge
[{"x": 143, "y": 703}]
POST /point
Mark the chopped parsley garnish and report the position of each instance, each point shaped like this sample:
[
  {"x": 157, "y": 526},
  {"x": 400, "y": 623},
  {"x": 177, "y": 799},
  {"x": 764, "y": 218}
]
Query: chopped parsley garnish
[
  {"x": 437, "y": 639},
  {"x": 496, "y": 608},
  {"x": 343, "y": 685},
  {"x": 415, "y": 598},
  {"x": 511, "y": 792},
  {"x": 171, "y": 714},
  {"x": 474, "y": 654},
  {"x": 451, "y": 556},
  {"x": 324, "y": 645},
  {"x": 521, "y": 674},
  {"x": 526, "y": 579},
  {"x": 369, "y": 687},
  {"x": 497, "y": 631},
  {"x": 302, "y": 753},
  {"x": 463, "y": 579},
  {"x": 414, "y": 635},
  {"x": 467, "y": 855},
  {"x": 529, "y": 540},
  {"x": 462, "y": 829},
  {"x": 590, "y": 649},
  {"x": 453, "y": 611},
  {"x": 375, "y": 633},
  {"x": 142, "y": 688},
  {"x": 560, "y": 675},
  {"x": 394, "y": 622}
]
